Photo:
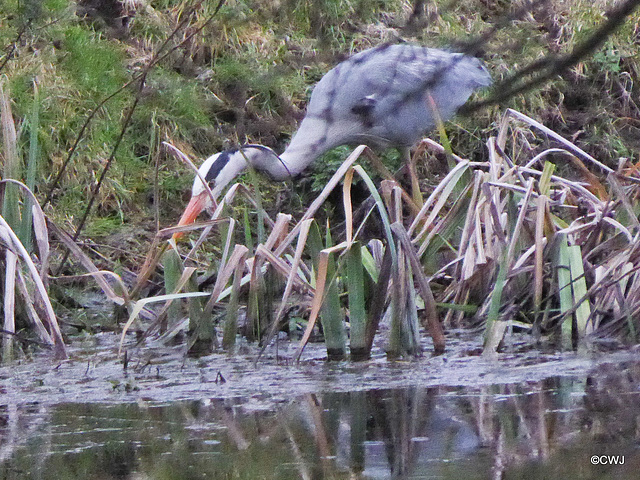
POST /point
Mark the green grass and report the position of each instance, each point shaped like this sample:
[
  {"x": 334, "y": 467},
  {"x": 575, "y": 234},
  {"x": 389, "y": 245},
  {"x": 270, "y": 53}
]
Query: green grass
[{"x": 93, "y": 65}]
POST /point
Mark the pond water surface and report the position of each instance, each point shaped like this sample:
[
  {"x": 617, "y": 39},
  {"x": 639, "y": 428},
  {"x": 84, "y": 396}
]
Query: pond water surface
[{"x": 460, "y": 416}]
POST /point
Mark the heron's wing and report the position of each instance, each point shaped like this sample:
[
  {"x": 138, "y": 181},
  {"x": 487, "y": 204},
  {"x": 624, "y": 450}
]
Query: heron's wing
[
  {"x": 380, "y": 79},
  {"x": 380, "y": 94},
  {"x": 403, "y": 71}
]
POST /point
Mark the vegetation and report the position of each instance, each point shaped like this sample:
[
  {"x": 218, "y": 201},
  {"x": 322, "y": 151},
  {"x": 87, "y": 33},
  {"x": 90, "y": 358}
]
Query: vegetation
[{"x": 92, "y": 90}]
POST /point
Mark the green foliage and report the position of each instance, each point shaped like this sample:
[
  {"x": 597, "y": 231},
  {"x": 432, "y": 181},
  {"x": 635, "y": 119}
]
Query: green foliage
[
  {"x": 55, "y": 6},
  {"x": 326, "y": 165},
  {"x": 327, "y": 20},
  {"x": 357, "y": 301},
  {"x": 95, "y": 66},
  {"x": 230, "y": 71},
  {"x": 104, "y": 226},
  {"x": 33, "y": 159},
  {"x": 173, "y": 269},
  {"x": 609, "y": 59},
  {"x": 179, "y": 107}
]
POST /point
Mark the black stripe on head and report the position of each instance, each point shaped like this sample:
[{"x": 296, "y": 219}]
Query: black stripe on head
[
  {"x": 217, "y": 166},
  {"x": 258, "y": 147},
  {"x": 265, "y": 149}
]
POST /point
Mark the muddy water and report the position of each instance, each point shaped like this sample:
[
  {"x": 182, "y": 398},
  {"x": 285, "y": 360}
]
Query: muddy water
[{"x": 525, "y": 414}]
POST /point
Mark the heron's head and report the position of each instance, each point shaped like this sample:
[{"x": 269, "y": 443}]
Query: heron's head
[
  {"x": 478, "y": 74},
  {"x": 217, "y": 172},
  {"x": 468, "y": 72},
  {"x": 461, "y": 76}
]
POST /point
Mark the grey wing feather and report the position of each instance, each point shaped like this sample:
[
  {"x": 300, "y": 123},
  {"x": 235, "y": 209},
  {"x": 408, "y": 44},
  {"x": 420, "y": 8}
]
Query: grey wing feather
[
  {"x": 378, "y": 96},
  {"x": 388, "y": 72}
]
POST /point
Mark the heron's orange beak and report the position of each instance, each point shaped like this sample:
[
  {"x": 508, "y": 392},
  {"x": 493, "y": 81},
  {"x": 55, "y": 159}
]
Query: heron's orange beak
[{"x": 195, "y": 206}]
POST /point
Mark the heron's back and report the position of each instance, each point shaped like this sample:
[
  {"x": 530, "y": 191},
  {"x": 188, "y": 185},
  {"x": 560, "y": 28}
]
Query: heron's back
[{"x": 379, "y": 96}]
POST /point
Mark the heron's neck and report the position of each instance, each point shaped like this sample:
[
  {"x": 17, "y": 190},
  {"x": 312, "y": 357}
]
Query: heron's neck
[
  {"x": 293, "y": 161},
  {"x": 314, "y": 137}
]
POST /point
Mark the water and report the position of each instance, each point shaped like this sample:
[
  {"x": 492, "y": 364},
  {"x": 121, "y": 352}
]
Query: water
[
  {"x": 546, "y": 429},
  {"x": 451, "y": 418}
]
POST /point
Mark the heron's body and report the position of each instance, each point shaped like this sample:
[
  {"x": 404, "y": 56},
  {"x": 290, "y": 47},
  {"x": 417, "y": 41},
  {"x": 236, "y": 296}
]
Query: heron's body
[{"x": 381, "y": 97}]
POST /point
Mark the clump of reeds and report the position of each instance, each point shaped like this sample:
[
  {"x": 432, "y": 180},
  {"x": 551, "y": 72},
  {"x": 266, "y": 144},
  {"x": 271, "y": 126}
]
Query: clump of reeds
[
  {"x": 525, "y": 248},
  {"x": 510, "y": 245},
  {"x": 24, "y": 240},
  {"x": 505, "y": 242}
]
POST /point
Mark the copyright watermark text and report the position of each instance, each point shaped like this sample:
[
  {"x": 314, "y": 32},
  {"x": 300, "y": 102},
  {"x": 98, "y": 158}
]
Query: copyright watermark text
[{"x": 607, "y": 459}]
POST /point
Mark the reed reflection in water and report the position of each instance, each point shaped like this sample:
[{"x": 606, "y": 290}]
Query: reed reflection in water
[{"x": 546, "y": 429}]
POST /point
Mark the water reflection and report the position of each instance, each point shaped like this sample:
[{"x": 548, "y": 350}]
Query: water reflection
[{"x": 537, "y": 430}]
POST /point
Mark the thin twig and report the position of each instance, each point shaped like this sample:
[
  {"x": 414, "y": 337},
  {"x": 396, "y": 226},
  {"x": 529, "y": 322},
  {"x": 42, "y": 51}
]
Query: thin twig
[
  {"x": 142, "y": 79},
  {"x": 154, "y": 61},
  {"x": 551, "y": 66},
  {"x": 14, "y": 45}
]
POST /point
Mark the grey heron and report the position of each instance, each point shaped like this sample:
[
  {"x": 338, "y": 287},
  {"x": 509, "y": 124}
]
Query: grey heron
[{"x": 384, "y": 96}]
